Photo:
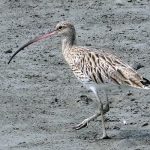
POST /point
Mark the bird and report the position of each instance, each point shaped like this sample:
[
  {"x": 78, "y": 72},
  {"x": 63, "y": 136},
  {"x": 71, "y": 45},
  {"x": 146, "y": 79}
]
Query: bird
[{"x": 93, "y": 68}]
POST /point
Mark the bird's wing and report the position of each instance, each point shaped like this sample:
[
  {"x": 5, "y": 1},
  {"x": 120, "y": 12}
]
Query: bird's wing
[{"x": 105, "y": 67}]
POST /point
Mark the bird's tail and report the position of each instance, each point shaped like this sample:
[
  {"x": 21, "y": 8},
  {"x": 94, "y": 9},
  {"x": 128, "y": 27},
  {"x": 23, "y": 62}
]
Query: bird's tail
[{"x": 146, "y": 82}]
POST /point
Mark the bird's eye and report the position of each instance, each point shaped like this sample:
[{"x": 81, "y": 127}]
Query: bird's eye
[{"x": 60, "y": 27}]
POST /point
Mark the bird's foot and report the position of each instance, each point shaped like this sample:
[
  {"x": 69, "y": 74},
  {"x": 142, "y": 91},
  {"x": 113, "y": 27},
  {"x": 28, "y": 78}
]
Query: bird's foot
[
  {"x": 81, "y": 125},
  {"x": 85, "y": 122}
]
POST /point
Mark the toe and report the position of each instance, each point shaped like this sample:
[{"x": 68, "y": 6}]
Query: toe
[{"x": 80, "y": 126}]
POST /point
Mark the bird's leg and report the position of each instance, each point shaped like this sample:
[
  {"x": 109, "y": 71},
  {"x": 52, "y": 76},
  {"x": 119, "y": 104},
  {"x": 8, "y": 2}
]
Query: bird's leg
[
  {"x": 104, "y": 136},
  {"x": 85, "y": 122},
  {"x": 103, "y": 123},
  {"x": 106, "y": 108}
]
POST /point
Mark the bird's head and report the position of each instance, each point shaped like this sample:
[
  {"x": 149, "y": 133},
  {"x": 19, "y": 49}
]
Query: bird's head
[{"x": 63, "y": 28}]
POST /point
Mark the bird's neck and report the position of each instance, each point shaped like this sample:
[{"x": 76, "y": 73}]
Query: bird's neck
[{"x": 68, "y": 42}]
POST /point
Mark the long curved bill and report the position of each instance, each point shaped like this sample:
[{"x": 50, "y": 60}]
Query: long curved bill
[{"x": 31, "y": 42}]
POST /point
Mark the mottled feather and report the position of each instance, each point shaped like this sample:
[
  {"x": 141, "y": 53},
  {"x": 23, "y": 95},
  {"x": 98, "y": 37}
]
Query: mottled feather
[{"x": 102, "y": 67}]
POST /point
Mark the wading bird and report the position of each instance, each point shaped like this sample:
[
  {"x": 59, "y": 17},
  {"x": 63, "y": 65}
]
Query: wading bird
[{"x": 93, "y": 68}]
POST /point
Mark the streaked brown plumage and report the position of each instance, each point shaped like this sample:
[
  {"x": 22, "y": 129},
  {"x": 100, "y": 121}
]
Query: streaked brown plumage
[
  {"x": 93, "y": 68},
  {"x": 101, "y": 67}
]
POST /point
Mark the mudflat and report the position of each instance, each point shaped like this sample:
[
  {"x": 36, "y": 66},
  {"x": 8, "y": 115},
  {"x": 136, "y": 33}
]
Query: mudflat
[{"x": 41, "y": 100}]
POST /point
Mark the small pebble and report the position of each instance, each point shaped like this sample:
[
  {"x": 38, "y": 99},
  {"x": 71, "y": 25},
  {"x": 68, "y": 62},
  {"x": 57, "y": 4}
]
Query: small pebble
[
  {"x": 145, "y": 124},
  {"x": 124, "y": 122},
  {"x": 137, "y": 66},
  {"x": 117, "y": 128},
  {"x": 130, "y": 94},
  {"x": 8, "y": 51},
  {"x": 133, "y": 99},
  {"x": 85, "y": 99},
  {"x": 88, "y": 44}
]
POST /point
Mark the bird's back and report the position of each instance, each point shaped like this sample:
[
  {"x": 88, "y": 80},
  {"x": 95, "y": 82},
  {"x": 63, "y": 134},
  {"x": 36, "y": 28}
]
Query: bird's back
[{"x": 101, "y": 67}]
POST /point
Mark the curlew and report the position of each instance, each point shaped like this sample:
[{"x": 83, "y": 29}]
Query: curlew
[{"x": 93, "y": 68}]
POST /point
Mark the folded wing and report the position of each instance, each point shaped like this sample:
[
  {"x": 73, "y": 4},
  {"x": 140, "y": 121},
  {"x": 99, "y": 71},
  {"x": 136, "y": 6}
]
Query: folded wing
[{"x": 105, "y": 67}]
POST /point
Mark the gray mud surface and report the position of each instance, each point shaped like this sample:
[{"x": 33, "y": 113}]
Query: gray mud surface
[{"x": 40, "y": 99}]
